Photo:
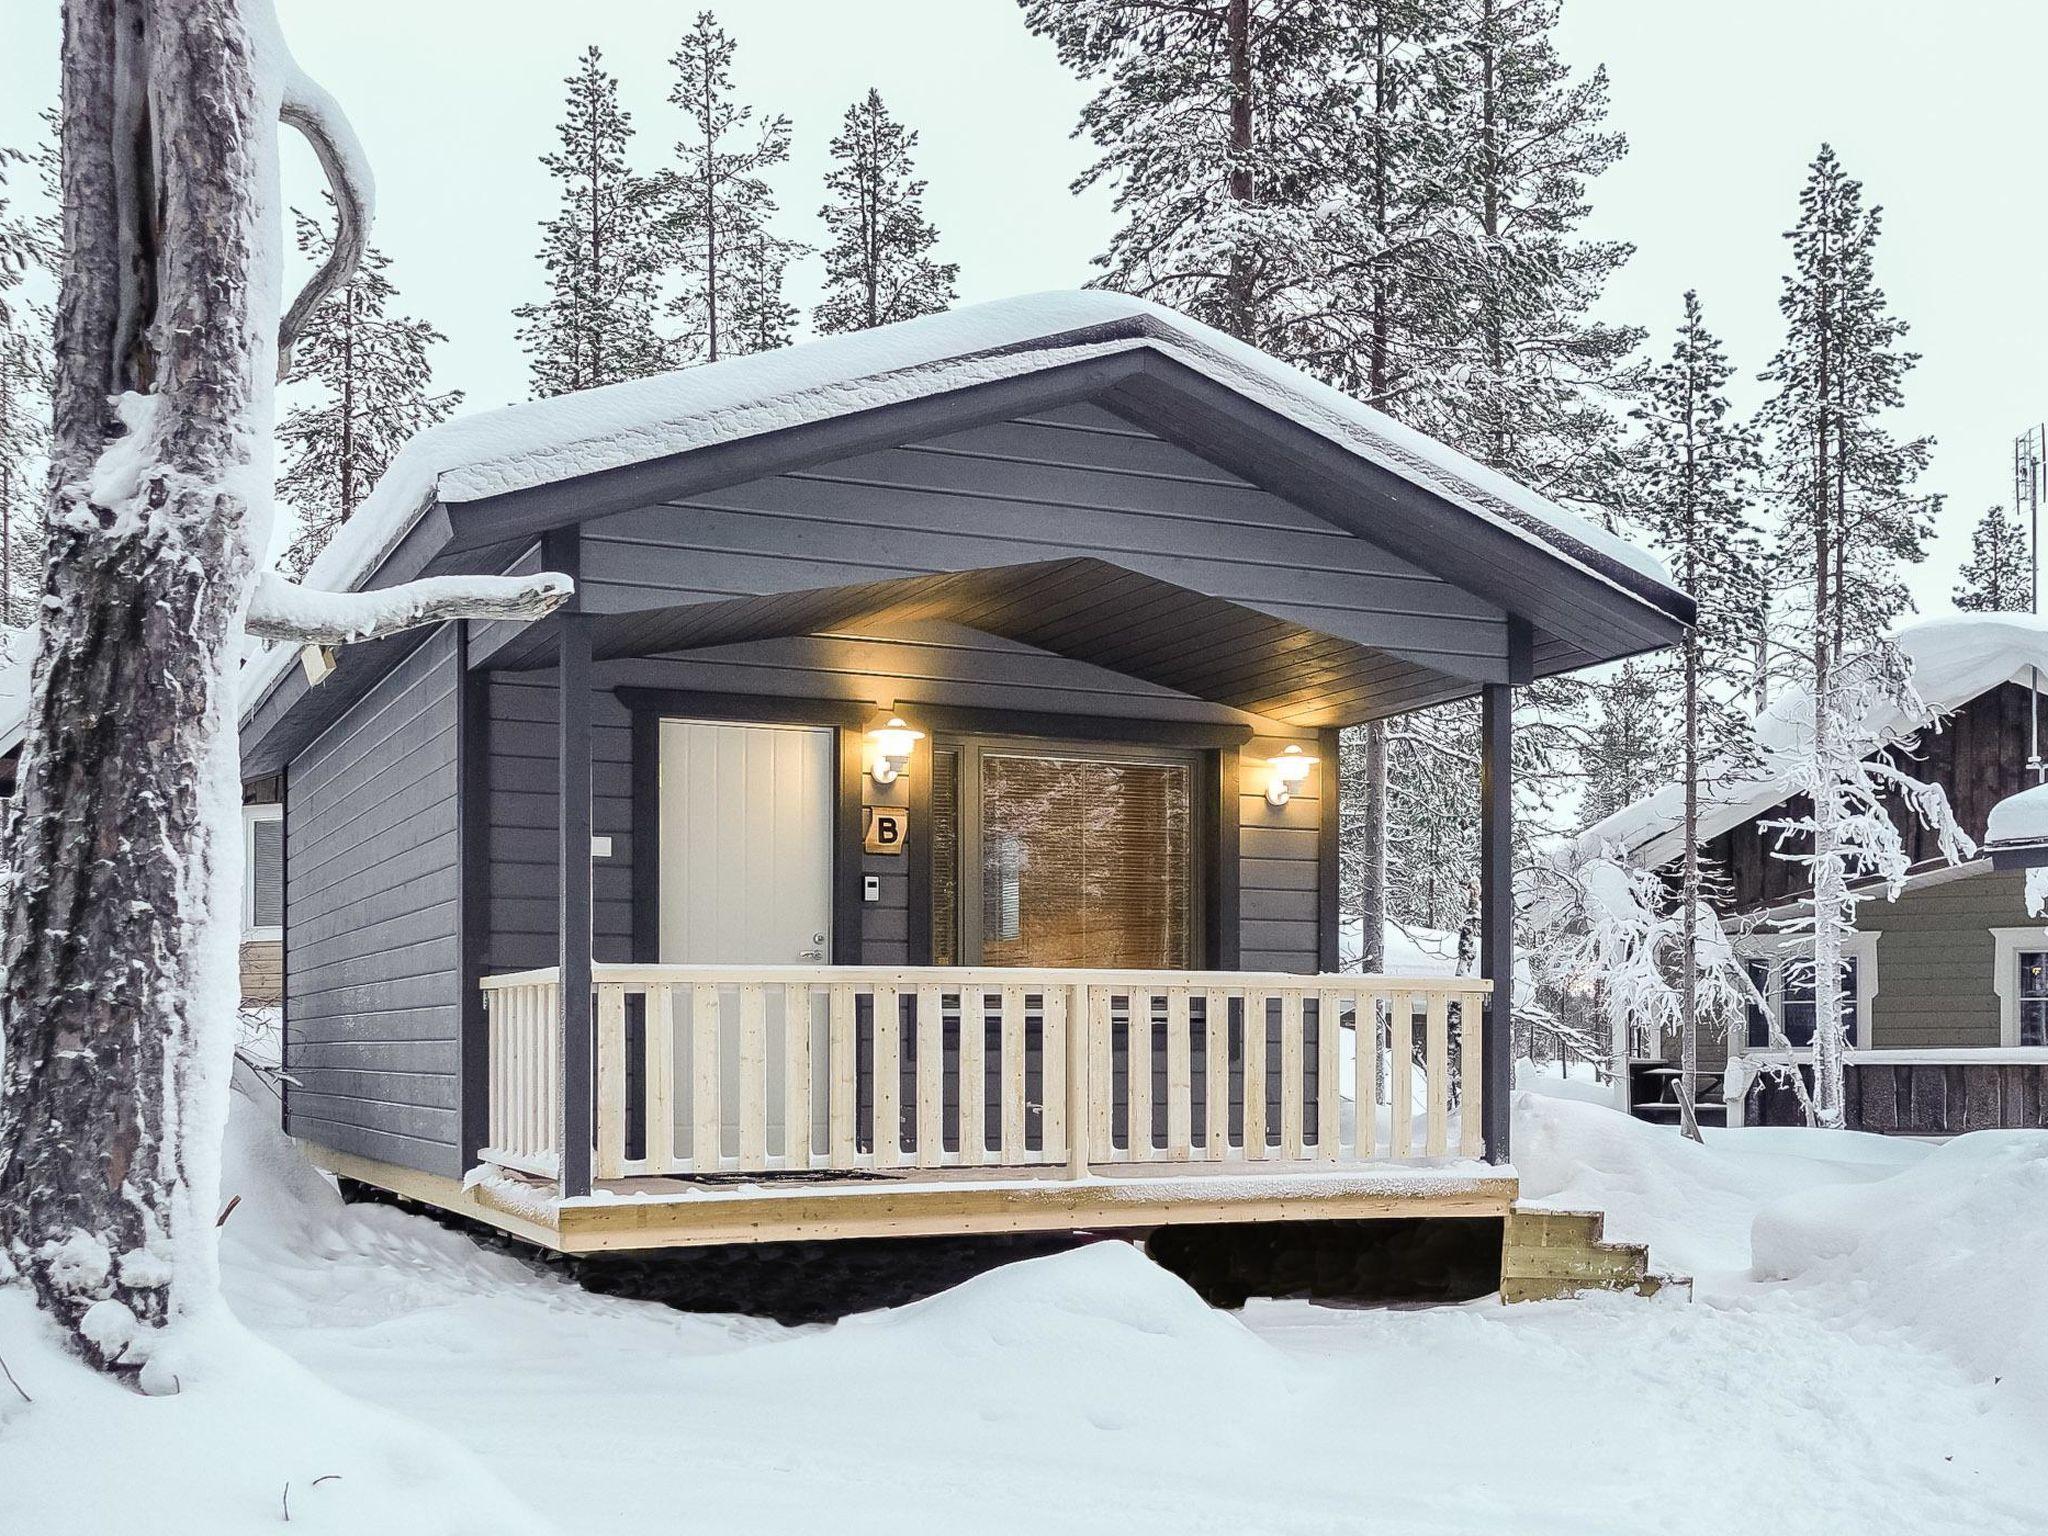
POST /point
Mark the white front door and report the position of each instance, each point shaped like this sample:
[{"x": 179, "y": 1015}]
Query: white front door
[{"x": 746, "y": 844}]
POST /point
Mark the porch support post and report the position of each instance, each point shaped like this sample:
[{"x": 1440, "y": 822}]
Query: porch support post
[
  {"x": 572, "y": 683},
  {"x": 1497, "y": 912}
]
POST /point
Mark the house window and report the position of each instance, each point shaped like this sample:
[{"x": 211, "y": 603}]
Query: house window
[
  {"x": 1787, "y": 984},
  {"x": 263, "y": 878},
  {"x": 2033, "y": 1019}
]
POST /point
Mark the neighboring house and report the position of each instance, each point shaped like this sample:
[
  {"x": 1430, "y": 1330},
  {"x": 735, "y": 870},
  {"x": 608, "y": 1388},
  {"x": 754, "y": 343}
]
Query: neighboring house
[
  {"x": 1946, "y": 1003},
  {"x": 937, "y": 703}
]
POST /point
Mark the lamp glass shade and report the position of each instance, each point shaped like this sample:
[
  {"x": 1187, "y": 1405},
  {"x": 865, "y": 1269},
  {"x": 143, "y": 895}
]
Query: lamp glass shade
[
  {"x": 894, "y": 738},
  {"x": 1291, "y": 765}
]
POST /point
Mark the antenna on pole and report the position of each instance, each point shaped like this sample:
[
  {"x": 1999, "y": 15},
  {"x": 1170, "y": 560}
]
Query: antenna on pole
[{"x": 2029, "y": 472}]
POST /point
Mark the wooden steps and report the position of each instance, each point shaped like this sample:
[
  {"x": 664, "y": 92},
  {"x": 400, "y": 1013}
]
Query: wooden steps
[{"x": 1546, "y": 1255}]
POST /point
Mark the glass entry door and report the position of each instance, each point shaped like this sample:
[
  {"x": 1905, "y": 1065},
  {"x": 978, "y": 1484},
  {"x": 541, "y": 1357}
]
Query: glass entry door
[{"x": 1063, "y": 857}]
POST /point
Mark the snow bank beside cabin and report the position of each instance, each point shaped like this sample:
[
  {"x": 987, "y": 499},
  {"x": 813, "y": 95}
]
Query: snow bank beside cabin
[{"x": 1949, "y": 1252}]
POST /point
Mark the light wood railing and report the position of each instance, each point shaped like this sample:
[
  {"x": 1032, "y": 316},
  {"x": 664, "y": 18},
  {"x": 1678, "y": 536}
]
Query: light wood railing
[{"x": 762, "y": 1069}]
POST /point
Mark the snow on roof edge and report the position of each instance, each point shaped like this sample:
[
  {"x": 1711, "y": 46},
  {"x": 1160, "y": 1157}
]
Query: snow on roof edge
[
  {"x": 515, "y": 447},
  {"x": 1954, "y": 658}
]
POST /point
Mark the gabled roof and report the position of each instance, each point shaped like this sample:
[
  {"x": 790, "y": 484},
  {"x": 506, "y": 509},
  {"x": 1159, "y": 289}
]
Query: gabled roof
[{"x": 1954, "y": 660}]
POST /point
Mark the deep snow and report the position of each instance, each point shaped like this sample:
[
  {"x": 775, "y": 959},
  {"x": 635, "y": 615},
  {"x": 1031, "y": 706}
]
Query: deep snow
[{"x": 1890, "y": 1374}]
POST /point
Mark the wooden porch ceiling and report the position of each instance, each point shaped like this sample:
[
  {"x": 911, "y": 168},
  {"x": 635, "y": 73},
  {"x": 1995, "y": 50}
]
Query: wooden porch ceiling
[{"x": 1085, "y": 610}]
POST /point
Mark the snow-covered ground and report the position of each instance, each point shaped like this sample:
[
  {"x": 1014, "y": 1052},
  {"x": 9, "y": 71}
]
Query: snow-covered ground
[{"x": 1867, "y": 1353}]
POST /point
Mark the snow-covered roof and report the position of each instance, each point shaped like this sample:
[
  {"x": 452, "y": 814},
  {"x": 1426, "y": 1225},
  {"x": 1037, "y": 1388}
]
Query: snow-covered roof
[
  {"x": 492, "y": 453},
  {"x": 2020, "y": 818},
  {"x": 1954, "y": 659}
]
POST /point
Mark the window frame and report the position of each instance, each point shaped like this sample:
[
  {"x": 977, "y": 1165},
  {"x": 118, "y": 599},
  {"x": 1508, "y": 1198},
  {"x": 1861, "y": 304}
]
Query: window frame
[
  {"x": 1778, "y": 952},
  {"x": 252, "y": 815},
  {"x": 2007, "y": 945}
]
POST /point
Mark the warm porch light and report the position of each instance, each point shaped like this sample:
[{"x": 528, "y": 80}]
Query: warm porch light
[
  {"x": 891, "y": 740},
  {"x": 1287, "y": 772}
]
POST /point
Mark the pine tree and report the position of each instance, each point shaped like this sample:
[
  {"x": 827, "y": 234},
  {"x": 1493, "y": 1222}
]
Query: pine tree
[
  {"x": 1999, "y": 575},
  {"x": 1851, "y": 522},
  {"x": 1695, "y": 505},
  {"x": 1632, "y": 748},
  {"x": 1530, "y": 361},
  {"x": 878, "y": 267},
  {"x": 596, "y": 326},
  {"x": 375, "y": 389},
  {"x": 718, "y": 209},
  {"x": 1223, "y": 127}
]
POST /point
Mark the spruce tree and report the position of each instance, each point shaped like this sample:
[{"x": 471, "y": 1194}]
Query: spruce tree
[
  {"x": 878, "y": 266},
  {"x": 1223, "y": 127},
  {"x": 718, "y": 209},
  {"x": 1851, "y": 521},
  {"x": 596, "y": 325},
  {"x": 1531, "y": 361},
  {"x": 1697, "y": 469},
  {"x": 1630, "y": 748},
  {"x": 1999, "y": 575},
  {"x": 374, "y": 389}
]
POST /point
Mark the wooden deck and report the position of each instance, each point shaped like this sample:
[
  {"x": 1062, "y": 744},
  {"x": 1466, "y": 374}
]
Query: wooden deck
[{"x": 649, "y": 1213}]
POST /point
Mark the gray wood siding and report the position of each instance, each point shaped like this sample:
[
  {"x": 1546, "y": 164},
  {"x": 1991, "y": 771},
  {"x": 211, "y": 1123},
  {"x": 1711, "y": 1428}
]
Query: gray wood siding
[
  {"x": 1074, "y": 481},
  {"x": 1935, "y": 960},
  {"x": 520, "y": 887},
  {"x": 372, "y": 959},
  {"x": 1279, "y": 848}
]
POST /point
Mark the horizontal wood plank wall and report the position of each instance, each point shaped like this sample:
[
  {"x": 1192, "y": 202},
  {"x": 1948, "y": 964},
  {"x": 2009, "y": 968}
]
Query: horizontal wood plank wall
[
  {"x": 1078, "y": 480},
  {"x": 373, "y": 943},
  {"x": 1935, "y": 958},
  {"x": 523, "y": 818},
  {"x": 1279, "y": 854}
]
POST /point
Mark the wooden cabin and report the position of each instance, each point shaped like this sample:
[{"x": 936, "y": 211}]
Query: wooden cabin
[
  {"x": 924, "y": 817},
  {"x": 1945, "y": 989}
]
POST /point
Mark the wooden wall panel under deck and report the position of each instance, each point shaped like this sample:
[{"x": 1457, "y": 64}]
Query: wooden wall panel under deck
[{"x": 371, "y": 919}]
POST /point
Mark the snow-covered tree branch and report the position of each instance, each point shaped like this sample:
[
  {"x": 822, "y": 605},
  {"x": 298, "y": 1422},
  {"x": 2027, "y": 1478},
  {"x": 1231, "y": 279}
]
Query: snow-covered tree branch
[{"x": 283, "y": 610}]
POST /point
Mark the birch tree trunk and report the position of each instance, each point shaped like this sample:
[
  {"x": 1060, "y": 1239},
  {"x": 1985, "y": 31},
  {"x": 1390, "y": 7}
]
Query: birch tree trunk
[{"x": 120, "y": 917}]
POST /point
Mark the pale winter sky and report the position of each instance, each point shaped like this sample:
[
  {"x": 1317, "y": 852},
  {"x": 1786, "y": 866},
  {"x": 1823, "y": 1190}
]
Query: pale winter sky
[{"x": 1724, "y": 101}]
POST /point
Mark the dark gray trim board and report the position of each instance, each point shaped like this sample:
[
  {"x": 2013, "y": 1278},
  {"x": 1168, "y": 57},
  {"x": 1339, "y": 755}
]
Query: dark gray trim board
[
  {"x": 572, "y": 873},
  {"x": 1329, "y": 915},
  {"x": 1497, "y": 913},
  {"x": 473, "y": 807}
]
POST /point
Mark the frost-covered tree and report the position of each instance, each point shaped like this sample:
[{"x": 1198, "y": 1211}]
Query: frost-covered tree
[
  {"x": 719, "y": 208},
  {"x": 878, "y": 264},
  {"x": 1999, "y": 575},
  {"x": 28, "y": 252},
  {"x": 373, "y": 388},
  {"x": 1631, "y": 747},
  {"x": 597, "y": 323},
  {"x": 1695, "y": 504},
  {"x": 124, "y": 845},
  {"x": 1222, "y": 127},
  {"x": 1531, "y": 361},
  {"x": 1851, "y": 521}
]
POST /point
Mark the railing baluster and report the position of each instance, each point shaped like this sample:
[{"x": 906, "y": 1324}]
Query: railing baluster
[
  {"x": 1437, "y": 1059},
  {"x": 973, "y": 1076},
  {"x": 1470, "y": 1077},
  {"x": 1255, "y": 1074},
  {"x": 1080, "y": 1049},
  {"x": 1365, "y": 1075},
  {"x": 888, "y": 1091},
  {"x": 1014, "y": 1067},
  {"x": 1101, "y": 1075},
  {"x": 707, "y": 1130},
  {"x": 659, "y": 1012},
  {"x": 753, "y": 1104},
  {"x": 931, "y": 1079},
  {"x": 796, "y": 1076},
  {"x": 1401, "y": 1075},
  {"x": 842, "y": 1090},
  {"x": 611, "y": 1082},
  {"x": 1291, "y": 1073},
  {"x": 1180, "y": 1089},
  {"x": 1329, "y": 1068},
  {"x": 1216, "y": 1064},
  {"x": 1138, "y": 1075},
  {"x": 1052, "y": 1074}
]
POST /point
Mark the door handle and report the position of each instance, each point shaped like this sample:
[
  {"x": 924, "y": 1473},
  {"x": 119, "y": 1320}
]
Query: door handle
[{"x": 811, "y": 954}]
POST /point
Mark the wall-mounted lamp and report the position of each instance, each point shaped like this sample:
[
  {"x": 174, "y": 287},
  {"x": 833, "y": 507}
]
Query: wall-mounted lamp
[
  {"x": 890, "y": 742},
  {"x": 1286, "y": 772}
]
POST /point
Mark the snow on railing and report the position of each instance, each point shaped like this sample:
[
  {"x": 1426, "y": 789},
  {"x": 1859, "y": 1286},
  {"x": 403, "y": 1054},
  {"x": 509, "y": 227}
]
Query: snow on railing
[{"x": 762, "y": 1069}]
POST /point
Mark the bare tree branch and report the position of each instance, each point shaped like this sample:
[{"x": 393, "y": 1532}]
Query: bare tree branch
[
  {"x": 282, "y": 610},
  {"x": 315, "y": 114}
]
